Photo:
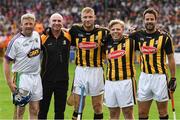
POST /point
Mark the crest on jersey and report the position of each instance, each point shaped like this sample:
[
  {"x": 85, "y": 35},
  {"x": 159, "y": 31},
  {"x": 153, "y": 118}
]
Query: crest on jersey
[
  {"x": 116, "y": 54},
  {"x": 33, "y": 52},
  {"x": 156, "y": 42},
  {"x": 96, "y": 38},
  {"x": 148, "y": 50},
  {"x": 124, "y": 45},
  {"x": 64, "y": 42},
  {"x": 88, "y": 45},
  {"x": 36, "y": 40}
]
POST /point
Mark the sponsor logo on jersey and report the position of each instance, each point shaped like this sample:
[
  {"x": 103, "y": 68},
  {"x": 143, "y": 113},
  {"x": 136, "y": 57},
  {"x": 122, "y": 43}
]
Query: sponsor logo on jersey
[
  {"x": 33, "y": 53},
  {"x": 116, "y": 54},
  {"x": 148, "y": 50},
  {"x": 87, "y": 45}
]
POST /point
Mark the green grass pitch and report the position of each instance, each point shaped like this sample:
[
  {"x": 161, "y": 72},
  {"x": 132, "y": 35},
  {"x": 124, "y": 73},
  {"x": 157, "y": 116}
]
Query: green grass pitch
[{"x": 7, "y": 108}]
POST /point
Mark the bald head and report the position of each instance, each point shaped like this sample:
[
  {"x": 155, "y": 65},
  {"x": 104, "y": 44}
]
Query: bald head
[
  {"x": 56, "y": 21},
  {"x": 56, "y": 15}
]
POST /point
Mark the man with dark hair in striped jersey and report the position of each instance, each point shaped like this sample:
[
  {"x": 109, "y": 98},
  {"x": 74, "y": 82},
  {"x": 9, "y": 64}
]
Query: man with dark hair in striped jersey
[
  {"x": 154, "y": 46},
  {"x": 120, "y": 83},
  {"x": 88, "y": 41}
]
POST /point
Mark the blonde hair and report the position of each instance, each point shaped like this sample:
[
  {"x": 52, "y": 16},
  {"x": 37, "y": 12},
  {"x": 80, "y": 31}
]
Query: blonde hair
[
  {"x": 87, "y": 10},
  {"x": 116, "y": 21},
  {"x": 28, "y": 16}
]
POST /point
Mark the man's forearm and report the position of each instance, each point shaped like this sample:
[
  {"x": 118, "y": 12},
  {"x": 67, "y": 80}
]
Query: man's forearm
[
  {"x": 6, "y": 67},
  {"x": 172, "y": 65}
]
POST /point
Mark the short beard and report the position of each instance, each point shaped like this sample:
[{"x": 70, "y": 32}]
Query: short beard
[
  {"x": 88, "y": 28},
  {"x": 28, "y": 34},
  {"x": 150, "y": 29}
]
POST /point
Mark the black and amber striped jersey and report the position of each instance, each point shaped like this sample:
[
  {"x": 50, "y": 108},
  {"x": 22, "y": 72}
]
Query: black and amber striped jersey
[
  {"x": 120, "y": 56},
  {"x": 153, "y": 50},
  {"x": 55, "y": 57},
  {"x": 88, "y": 45}
]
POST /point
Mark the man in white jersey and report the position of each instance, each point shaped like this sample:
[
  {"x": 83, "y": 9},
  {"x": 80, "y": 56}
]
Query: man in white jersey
[{"x": 24, "y": 51}]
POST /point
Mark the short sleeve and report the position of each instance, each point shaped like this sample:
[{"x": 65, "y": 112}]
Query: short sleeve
[
  {"x": 105, "y": 43},
  {"x": 72, "y": 34},
  {"x": 169, "y": 46},
  {"x": 11, "y": 50},
  {"x": 134, "y": 37}
]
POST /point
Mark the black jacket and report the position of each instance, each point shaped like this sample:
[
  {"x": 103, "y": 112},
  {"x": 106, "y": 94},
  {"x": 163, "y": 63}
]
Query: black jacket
[{"x": 55, "y": 57}]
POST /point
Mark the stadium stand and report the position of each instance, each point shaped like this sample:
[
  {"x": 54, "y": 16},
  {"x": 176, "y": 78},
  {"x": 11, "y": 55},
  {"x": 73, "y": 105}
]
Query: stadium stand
[{"x": 130, "y": 11}]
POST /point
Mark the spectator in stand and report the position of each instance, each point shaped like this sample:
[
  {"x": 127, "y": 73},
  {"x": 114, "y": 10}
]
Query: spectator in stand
[{"x": 39, "y": 27}]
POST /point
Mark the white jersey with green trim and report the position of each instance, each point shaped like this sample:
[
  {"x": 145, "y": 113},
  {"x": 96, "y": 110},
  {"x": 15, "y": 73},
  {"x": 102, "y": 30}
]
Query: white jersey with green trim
[{"x": 25, "y": 53}]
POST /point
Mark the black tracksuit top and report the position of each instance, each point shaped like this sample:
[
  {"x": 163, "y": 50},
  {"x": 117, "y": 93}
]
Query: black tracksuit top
[{"x": 55, "y": 57}]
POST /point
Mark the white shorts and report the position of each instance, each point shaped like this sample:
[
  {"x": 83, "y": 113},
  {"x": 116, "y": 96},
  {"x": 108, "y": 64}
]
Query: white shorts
[
  {"x": 119, "y": 93},
  {"x": 152, "y": 86},
  {"x": 91, "y": 78},
  {"x": 30, "y": 82}
]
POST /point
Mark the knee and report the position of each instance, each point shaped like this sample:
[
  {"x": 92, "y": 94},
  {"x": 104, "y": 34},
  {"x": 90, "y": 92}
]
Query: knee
[
  {"x": 128, "y": 112},
  {"x": 20, "y": 111},
  {"x": 163, "y": 115},
  {"x": 143, "y": 114},
  {"x": 114, "y": 114},
  {"x": 97, "y": 108},
  {"x": 163, "y": 112},
  {"x": 34, "y": 111}
]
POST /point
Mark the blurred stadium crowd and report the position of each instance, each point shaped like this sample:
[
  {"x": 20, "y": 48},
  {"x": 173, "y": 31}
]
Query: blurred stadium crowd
[{"x": 128, "y": 10}]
